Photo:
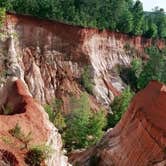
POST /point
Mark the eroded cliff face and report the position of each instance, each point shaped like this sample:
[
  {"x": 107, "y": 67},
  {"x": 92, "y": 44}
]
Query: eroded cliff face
[
  {"x": 50, "y": 57},
  {"x": 31, "y": 117},
  {"x": 138, "y": 139}
]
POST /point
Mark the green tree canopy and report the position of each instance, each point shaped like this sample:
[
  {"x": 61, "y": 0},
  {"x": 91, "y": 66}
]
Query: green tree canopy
[
  {"x": 138, "y": 16},
  {"x": 119, "y": 106},
  {"x": 84, "y": 128},
  {"x": 154, "y": 69}
]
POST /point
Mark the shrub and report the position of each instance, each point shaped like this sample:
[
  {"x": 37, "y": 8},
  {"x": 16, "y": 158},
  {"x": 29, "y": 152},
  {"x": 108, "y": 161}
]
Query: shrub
[
  {"x": 55, "y": 114},
  {"x": 154, "y": 69},
  {"x": 96, "y": 124},
  {"x": 59, "y": 121},
  {"x": 86, "y": 80},
  {"x": 36, "y": 155},
  {"x": 51, "y": 113},
  {"x": 136, "y": 67},
  {"x": 7, "y": 110},
  {"x": 130, "y": 75},
  {"x": 84, "y": 128},
  {"x": 18, "y": 133},
  {"x": 119, "y": 106},
  {"x": 2, "y": 16}
]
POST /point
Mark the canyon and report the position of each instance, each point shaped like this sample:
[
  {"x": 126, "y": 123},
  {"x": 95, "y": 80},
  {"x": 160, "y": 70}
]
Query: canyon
[
  {"x": 138, "y": 139},
  {"x": 50, "y": 57},
  {"x": 41, "y": 60}
]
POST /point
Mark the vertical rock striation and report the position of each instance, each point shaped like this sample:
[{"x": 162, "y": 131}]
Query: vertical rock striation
[
  {"x": 52, "y": 55},
  {"x": 139, "y": 138}
]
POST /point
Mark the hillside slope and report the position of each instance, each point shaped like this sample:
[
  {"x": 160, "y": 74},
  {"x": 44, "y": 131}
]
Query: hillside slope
[{"x": 51, "y": 56}]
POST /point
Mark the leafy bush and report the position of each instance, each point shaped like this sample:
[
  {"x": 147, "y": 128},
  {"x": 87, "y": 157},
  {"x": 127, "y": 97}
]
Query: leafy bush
[
  {"x": 119, "y": 106},
  {"x": 136, "y": 67},
  {"x": 84, "y": 128},
  {"x": 18, "y": 133},
  {"x": 55, "y": 114},
  {"x": 131, "y": 74},
  {"x": 51, "y": 113},
  {"x": 36, "y": 155},
  {"x": 154, "y": 69},
  {"x": 2, "y": 16},
  {"x": 86, "y": 80},
  {"x": 59, "y": 121},
  {"x": 96, "y": 125},
  {"x": 7, "y": 110}
]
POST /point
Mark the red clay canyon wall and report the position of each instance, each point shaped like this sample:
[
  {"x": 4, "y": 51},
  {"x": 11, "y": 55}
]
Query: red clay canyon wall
[
  {"x": 31, "y": 117},
  {"x": 139, "y": 139},
  {"x": 50, "y": 57}
]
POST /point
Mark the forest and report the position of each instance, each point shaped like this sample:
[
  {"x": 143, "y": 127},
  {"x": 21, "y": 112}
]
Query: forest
[{"x": 126, "y": 16}]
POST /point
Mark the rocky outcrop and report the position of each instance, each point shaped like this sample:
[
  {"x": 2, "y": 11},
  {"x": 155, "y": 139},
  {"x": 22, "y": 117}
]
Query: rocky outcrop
[
  {"x": 50, "y": 57},
  {"x": 18, "y": 107},
  {"x": 139, "y": 139}
]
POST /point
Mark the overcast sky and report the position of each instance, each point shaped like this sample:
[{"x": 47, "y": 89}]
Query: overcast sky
[{"x": 149, "y": 4}]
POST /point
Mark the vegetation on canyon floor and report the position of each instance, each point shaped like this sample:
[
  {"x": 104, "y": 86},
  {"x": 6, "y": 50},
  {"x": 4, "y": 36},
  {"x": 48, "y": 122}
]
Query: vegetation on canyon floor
[
  {"x": 125, "y": 16},
  {"x": 81, "y": 127},
  {"x": 55, "y": 114},
  {"x": 119, "y": 106}
]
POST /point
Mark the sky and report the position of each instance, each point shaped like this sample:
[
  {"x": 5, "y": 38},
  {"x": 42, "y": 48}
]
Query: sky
[{"x": 149, "y": 4}]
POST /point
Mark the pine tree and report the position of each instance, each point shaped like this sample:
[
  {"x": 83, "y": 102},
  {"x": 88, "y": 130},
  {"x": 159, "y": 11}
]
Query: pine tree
[{"x": 138, "y": 16}]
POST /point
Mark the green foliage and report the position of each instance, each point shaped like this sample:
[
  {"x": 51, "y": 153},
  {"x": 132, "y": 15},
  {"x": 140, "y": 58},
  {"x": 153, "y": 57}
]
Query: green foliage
[
  {"x": 51, "y": 114},
  {"x": 159, "y": 19},
  {"x": 55, "y": 114},
  {"x": 150, "y": 28},
  {"x": 138, "y": 16},
  {"x": 18, "y": 133},
  {"x": 119, "y": 106},
  {"x": 59, "y": 121},
  {"x": 131, "y": 74},
  {"x": 86, "y": 80},
  {"x": 84, "y": 128},
  {"x": 136, "y": 67},
  {"x": 7, "y": 110},
  {"x": 2, "y": 16},
  {"x": 36, "y": 155},
  {"x": 126, "y": 22},
  {"x": 7, "y": 4},
  {"x": 154, "y": 69},
  {"x": 96, "y": 124}
]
